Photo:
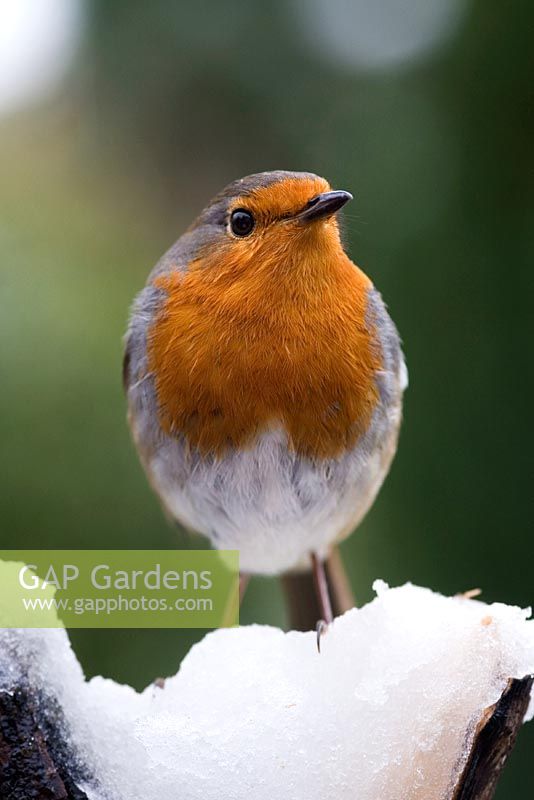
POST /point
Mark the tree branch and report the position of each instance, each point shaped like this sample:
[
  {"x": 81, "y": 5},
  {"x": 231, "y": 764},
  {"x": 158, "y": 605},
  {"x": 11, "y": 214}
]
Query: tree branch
[
  {"x": 494, "y": 740},
  {"x": 32, "y": 763}
]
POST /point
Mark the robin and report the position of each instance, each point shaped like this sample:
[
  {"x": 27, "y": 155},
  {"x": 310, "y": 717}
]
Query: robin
[{"x": 264, "y": 377}]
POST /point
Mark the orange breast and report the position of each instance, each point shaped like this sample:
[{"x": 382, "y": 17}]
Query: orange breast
[{"x": 251, "y": 339}]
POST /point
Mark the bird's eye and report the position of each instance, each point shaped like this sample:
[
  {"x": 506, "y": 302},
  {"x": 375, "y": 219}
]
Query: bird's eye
[{"x": 241, "y": 222}]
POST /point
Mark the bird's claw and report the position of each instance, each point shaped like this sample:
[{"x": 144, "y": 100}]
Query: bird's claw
[{"x": 320, "y": 629}]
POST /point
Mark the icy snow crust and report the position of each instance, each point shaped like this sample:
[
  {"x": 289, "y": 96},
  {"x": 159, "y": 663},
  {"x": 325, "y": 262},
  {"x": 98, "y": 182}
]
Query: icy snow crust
[{"x": 387, "y": 710}]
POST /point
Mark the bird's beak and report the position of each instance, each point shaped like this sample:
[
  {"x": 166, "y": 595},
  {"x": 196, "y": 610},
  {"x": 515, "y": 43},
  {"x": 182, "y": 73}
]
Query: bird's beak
[{"x": 323, "y": 205}]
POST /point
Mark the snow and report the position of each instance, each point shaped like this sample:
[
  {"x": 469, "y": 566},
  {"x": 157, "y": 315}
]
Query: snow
[{"x": 387, "y": 709}]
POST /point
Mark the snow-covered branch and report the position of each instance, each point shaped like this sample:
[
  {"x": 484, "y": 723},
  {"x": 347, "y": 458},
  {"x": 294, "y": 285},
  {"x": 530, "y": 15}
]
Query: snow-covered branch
[{"x": 414, "y": 696}]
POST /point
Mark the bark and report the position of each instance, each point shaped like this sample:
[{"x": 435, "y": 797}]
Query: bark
[
  {"x": 494, "y": 740},
  {"x": 33, "y": 759}
]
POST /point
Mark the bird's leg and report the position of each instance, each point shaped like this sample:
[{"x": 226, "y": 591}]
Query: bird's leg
[
  {"x": 302, "y": 598},
  {"x": 321, "y": 588},
  {"x": 338, "y": 583},
  {"x": 323, "y": 597},
  {"x": 243, "y": 583},
  {"x": 230, "y": 613}
]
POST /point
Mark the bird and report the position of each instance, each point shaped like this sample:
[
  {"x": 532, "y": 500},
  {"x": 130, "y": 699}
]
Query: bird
[{"x": 264, "y": 377}]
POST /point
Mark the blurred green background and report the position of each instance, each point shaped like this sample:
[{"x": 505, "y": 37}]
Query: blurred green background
[{"x": 135, "y": 115}]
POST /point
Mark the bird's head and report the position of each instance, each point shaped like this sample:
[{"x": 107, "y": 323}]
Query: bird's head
[{"x": 275, "y": 220}]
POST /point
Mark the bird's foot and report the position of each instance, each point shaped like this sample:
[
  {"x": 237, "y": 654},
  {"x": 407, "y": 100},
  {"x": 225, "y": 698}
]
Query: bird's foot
[
  {"x": 321, "y": 628},
  {"x": 323, "y": 598}
]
